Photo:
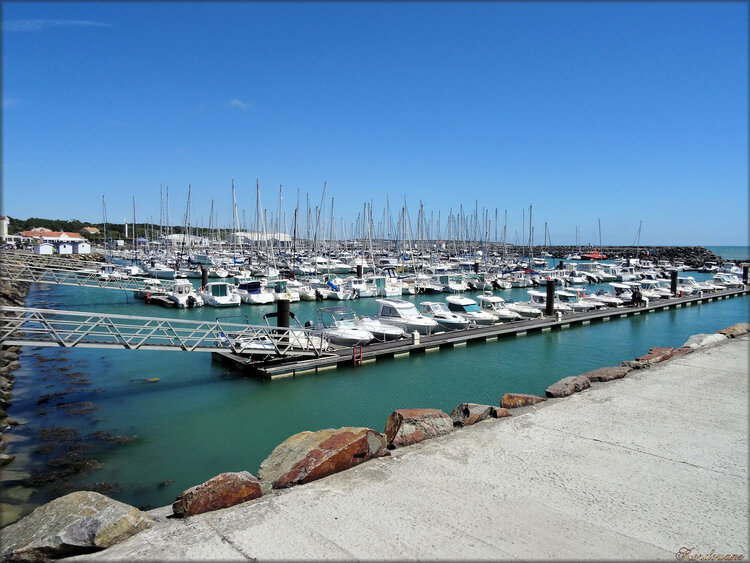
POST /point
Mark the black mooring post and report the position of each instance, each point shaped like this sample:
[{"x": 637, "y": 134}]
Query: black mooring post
[
  {"x": 360, "y": 271},
  {"x": 282, "y": 316},
  {"x": 745, "y": 268},
  {"x": 476, "y": 267},
  {"x": 282, "y": 313},
  {"x": 550, "y": 303},
  {"x": 204, "y": 277},
  {"x": 673, "y": 287}
]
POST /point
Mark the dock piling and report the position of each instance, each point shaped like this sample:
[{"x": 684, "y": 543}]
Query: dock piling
[
  {"x": 673, "y": 278},
  {"x": 550, "y": 303}
]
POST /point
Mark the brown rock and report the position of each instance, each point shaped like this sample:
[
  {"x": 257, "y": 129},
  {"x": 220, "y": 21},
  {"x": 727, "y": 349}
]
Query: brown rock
[
  {"x": 308, "y": 456},
  {"x": 656, "y": 355},
  {"x": 499, "y": 412},
  {"x": 682, "y": 350},
  {"x": 467, "y": 414},
  {"x": 222, "y": 491},
  {"x": 568, "y": 385},
  {"x": 408, "y": 426},
  {"x": 608, "y": 373},
  {"x": 735, "y": 330},
  {"x": 514, "y": 400}
]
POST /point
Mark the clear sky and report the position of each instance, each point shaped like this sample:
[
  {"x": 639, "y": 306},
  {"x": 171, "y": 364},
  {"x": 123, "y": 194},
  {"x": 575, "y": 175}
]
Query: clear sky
[{"x": 622, "y": 112}]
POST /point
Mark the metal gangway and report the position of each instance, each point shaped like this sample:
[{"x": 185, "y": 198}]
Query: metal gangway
[
  {"x": 28, "y": 272},
  {"x": 22, "y": 326},
  {"x": 64, "y": 262}
]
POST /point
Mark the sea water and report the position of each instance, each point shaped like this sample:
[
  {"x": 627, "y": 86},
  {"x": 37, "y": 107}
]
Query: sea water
[
  {"x": 200, "y": 418},
  {"x": 731, "y": 252}
]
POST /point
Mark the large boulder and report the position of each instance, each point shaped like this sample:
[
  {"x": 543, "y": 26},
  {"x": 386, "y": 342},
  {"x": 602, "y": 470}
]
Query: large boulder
[
  {"x": 81, "y": 522},
  {"x": 515, "y": 400},
  {"x": 308, "y": 456},
  {"x": 408, "y": 426},
  {"x": 222, "y": 491},
  {"x": 608, "y": 373},
  {"x": 735, "y": 330},
  {"x": 567, "y": 386},
  {"x": 466, "y": 414},
  {"x": 704, "y": 340}
]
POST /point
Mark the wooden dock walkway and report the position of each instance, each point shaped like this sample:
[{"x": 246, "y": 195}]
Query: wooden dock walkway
[{"x": 291, "y": 366}]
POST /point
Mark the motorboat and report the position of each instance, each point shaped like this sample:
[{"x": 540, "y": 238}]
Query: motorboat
[
  {"x": 573, "y": 300},
  {"x": 298, "y": 338},
  {"x": 606, "y": 298},
  {"x": 405, "y": 315},
  {"x": 469, "y": 309},
  {"x": 538, "y": 299},
  {"x": 524, "y": 309},
  {"x": 254, "y": 292},
  {"x": 183, "y": 295},
  {"x": 338, "y": 292},
  {"x": 495, "y": 305},
  {"x": 339, "y": 326},
  {"x": 383, "y": 332},
  {"x": 324, "y": 265},
  {"x": 360, "y": 287},
  {"x": 438, "y": 311},
  {"x": 151, "y": 288},
  {"x": 220, "y": 294},
  {"x": 281, "y": 291},
  {"x": 728, "y": 281}
]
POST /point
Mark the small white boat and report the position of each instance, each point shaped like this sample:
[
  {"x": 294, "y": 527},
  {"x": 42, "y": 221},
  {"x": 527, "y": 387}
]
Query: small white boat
[
  {"x": 404, "y": 315},
  {"x": 220, "y": 294},
  {"x": 254, "y": 292},
  {"x": 469, "y": 309},
  {"x": 339, "y": 326},
  {"x": 183, "y": 295},
  {"x": 573, "y": 300},
  {"x": 438, "y": 311},
  {"x": 495, "y": 305},
  {"x": 539, "y": 300},
  {"x": 383, "y": 332},
  {"x": 151, "y": 288}
]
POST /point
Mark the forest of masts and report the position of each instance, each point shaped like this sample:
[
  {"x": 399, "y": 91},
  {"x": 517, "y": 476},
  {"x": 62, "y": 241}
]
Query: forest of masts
[{"x": 316, "y": 226}]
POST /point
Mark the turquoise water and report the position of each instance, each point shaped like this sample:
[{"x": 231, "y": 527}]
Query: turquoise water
[
  {"x": 731, "y": 252},
  {"x": 199, "y": 419}
]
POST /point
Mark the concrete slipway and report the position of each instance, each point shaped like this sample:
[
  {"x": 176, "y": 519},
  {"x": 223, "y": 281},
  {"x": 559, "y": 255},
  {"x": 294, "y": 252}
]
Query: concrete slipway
[{"x": 636, "y": 468}]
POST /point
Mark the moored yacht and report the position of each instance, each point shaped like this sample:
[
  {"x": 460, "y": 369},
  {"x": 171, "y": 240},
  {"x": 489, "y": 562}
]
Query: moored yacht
[
  {"x": 438, "y": 311},
  {"x": 405, "y": 315},
  {"x": 468, "y": 308},
  {"x": 220, "y": 294}
]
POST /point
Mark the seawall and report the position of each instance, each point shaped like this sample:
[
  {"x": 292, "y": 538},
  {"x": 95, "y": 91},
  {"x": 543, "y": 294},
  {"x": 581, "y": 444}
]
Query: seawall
[{"x": 640, "y": 467}]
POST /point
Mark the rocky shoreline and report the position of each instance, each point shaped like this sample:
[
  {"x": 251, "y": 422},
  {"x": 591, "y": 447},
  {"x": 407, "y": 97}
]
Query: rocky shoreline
[
  {"x": 86, "y": 522},
  {"x": 693, "y": 256},
  {"x": 15, "y": 295}
]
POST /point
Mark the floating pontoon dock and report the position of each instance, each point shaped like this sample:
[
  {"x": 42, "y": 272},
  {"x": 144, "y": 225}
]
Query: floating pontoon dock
[{"x": 290, "y": 366}]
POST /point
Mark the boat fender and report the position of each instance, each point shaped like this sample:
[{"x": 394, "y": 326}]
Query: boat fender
[{"x": 148, "y": 297}]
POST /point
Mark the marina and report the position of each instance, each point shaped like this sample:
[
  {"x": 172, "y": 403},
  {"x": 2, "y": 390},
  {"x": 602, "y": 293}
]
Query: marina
[{"x": 161, "y": 403}]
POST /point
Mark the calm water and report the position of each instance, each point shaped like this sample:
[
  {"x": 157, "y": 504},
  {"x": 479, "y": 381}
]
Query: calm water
[
  {"x": 731, "y": 252},
  {"x": 199, "y": 419}
]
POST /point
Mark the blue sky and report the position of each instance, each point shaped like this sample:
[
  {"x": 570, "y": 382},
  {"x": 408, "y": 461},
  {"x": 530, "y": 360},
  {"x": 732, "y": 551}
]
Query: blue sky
[{"x": 623, "y": 112}]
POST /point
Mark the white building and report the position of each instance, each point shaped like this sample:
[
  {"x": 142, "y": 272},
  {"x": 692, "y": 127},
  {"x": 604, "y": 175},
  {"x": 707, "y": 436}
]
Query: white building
[
  {"x": 250, "y": 237},
  {"x": 4, "y": 222},
  {"x": 81, "y": 248},
  {"x": 64, "y": 248},
  {"x": 43, "y": 248}
]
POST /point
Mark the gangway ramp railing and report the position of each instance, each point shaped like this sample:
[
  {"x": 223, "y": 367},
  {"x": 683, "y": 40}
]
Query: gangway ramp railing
[
  {"x": 16, "y": 272},
  {"x": 22, "y": 326},
  {"x": 64, "y": 262}
]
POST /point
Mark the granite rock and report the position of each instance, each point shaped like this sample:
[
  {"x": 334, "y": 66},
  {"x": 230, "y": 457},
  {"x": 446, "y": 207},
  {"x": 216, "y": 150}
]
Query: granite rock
[
  {"x": 77, "y": 523},
  {"x": 515, "y": 400},
  {"x": 409, "y": 426},
  {"x": 222, "y": 491},
  {"x": 308, "y": 456}
]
